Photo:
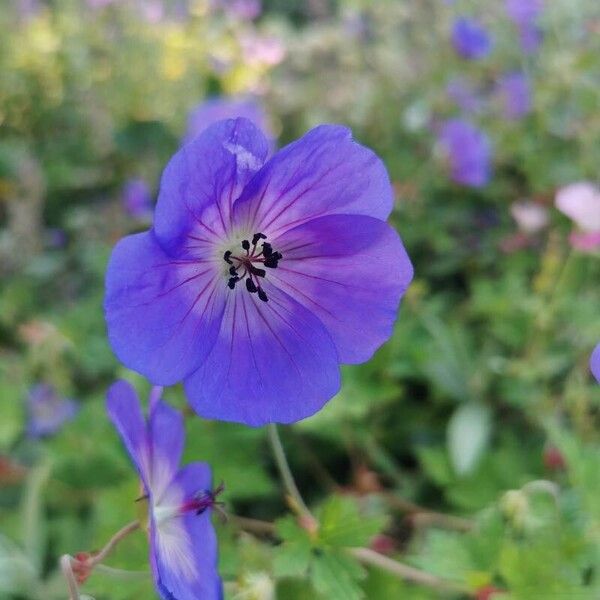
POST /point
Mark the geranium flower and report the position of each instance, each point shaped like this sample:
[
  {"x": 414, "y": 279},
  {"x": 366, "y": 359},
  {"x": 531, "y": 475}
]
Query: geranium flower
[
  {"x": 595, "y": 363},
  {"x": 514, "y": 90},
  {"x": 183, "y": 545},
  {"x": 581, "y": 203},
  {"x": 470, "y": 39},
  {"x": 258, "y": 279},
  {"x": 462, "y": 92},
  {"x": 525, "y": 14},
  {"x": 218, "y": 108},
  {"x": 523, "y": 11},
  {"x": 468, "y": 152},
  {"x": 47, "y": 411}
]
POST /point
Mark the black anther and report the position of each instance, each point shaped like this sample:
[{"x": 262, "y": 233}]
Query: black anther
[
  {"x": 267, "y": 249},
  {"x": 226, "y": 257},
  {"x": 262, "y": 295},
  {"x": 257, "y": 272},
  {"x": 250, "y": 286},
  {"x": 232, "y": 271},
  {"x": 246, "y": 245},
  {"x": 258, "y": 236}
]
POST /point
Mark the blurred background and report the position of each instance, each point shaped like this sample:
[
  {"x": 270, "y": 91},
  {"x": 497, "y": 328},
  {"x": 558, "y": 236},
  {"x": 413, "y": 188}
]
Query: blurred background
[{"x": 468, "y": 447}]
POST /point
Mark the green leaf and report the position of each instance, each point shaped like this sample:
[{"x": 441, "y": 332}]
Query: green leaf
[
  {"x": 468, "y": 436},
  {"x": 32, "y": 515},
  {"x": 343, "y": 525},
  {"x": 17, "y": 574},
  {"x": 333, "y": 576},
  {"x": 293, "y": 556},
  {"x": 292, "y": 559}
]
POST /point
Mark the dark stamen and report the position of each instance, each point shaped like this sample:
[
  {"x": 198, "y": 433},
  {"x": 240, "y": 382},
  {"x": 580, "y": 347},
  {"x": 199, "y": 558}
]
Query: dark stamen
[
  {"x": 267, "y": 249},
  {"x": 257, "y": 272},
  {"x": 273, "y": 261},
  {"x": 252, "y": 266}
]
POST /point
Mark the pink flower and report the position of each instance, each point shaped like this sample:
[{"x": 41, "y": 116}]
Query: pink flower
[
  {"x": 531, "y": 217},
  {"x": 581, "y": 203}
]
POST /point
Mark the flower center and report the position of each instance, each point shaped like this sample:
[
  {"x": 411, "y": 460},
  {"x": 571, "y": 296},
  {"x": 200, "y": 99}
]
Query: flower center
[
  {"x": 198, "y": 503},
  {"x": 203, "y": 500},
  {"x": 248, "y": 264}
]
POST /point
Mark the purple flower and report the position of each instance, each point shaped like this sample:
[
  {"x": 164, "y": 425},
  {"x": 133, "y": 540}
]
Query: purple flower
[
  {"x": 246, "y": 10},
  {"x": 523, "y": 11},
  {"x": 137, "y": 198},
  {"x": 218, "y": 108},
  {"x": 595, "y": 363},
  {"x": 183, "y": 545},
  {"x": 259, "y": 278},
  {"x": 470, "y": 39},
  {"x": 514, "y": 90},
  {"x": 47, "y": 411},
  {"x": 27, "y": 8},
  {"x": 530, "y": 37},
  {"x": 463, "y": 94},
  {"x": 524, "y": 14},
  {"x": 468, "y": 151}
]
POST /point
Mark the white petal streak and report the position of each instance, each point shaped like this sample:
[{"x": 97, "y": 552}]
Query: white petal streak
[{"x": 175, "y": 548}]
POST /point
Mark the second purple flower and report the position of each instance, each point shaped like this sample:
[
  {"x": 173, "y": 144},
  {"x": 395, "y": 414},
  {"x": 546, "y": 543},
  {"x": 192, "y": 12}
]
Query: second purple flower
[{"x": 259, "y": 278}]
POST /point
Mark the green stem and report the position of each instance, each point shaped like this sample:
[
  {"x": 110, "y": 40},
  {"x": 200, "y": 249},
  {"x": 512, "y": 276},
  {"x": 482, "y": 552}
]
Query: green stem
[{"x": 284, "y": 470}]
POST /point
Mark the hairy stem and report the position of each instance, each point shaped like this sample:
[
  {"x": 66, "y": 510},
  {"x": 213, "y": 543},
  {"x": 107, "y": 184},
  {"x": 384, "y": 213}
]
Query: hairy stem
[
  {"x": 364, "y": 555},
  {"x": 405, "y": 572},
  {"x": 65, "y": 567},
  {"x": 112, "y": 543},
  {"x": 284, "y": 470}
]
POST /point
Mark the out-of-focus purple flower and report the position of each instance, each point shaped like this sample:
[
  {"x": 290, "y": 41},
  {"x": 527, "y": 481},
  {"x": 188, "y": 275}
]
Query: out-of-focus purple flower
[
  {"x": 581, "y": 203},
  {"x": 468, "y": 151},
  {"x": 96, "y": 4},
  {"x": 246, "y": 10},
  {"x": 137, "y": 198},
  {"x": 595, "y": 363},
  {"x": 531, "y": 217},
  {"x": 183, "y": 544},
  {"x": 524, "y": 11},
  {"x": 524, "y": 14},
  {"x": 514, "y": 90},
  {"x": 47, "y": 411},
  {"x": 55, "y": 237},
  {"x": 218, "y": 108},
  {"x": 470, "y": 39},
  {"x": 259, "y": 277},
  {"x": 530, "y": 38},
  {"x": 463, "y": 94},
  {"x": 27, "y": 8}
]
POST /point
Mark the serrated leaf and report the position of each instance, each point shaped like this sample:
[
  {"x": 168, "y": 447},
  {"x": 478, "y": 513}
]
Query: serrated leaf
[
  {"x": 332, "y": 577},
  {"x": 468, "y": 435},
  {"x": 292, "y": 559},
  {"x": 342, "y": 524}
]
